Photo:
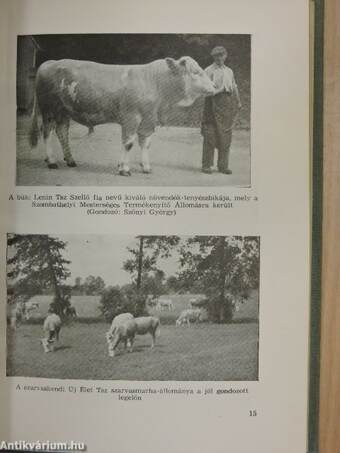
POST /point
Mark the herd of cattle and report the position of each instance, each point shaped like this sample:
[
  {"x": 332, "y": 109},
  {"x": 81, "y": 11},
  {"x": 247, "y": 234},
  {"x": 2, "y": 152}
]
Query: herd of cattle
[
  {"x": 130, "y": 95},
  {"x": 124, "y": 328}
]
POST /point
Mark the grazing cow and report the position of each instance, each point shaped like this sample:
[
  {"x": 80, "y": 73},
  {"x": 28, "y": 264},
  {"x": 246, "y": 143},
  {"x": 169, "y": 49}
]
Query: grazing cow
[
  {"x": 130, "y": 95},
  {"x": 189, "y": 315},
  {"x": 117, "y": 321},
  {"x": 165, "y": 304},
  {"x": 126, "y": 330},
  {"x": 52, "y": 326}
]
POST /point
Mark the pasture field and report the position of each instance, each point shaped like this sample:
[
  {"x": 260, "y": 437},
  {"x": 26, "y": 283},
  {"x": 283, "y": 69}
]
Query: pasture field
[
  {"x": 88, "y": 307},
  {"x": 202, "y": 352},
  {"x": 175, "y": 155}
]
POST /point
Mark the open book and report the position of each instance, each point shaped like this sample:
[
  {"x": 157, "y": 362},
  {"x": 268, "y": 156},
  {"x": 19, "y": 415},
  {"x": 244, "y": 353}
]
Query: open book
[{"x": 156, "y": 226}]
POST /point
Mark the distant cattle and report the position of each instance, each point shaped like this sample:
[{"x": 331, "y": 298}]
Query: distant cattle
[
  {"x": 127, "y": 328},
  {"x": 30, "y": 307},
  {"x": 52, "y": 326},
  {"x": 70, "y": 312},
  {"x": 130, "y": 95},
  {"x": 189, "y": 315},
  {"x": 165, "y": 304}
]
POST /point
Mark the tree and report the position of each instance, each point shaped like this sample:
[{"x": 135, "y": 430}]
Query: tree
[
  {"x": 223, "y": 267},
  {"x": 93, "y": 285},
  {"x": 144, "y": 263},
  {"x": 36, "y": 264},
  {"x": 116, "y": 300}
]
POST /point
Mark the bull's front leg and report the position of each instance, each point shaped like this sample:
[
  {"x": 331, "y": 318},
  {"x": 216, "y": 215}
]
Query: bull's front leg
[
  {"x": 124, "y": 164},
  {"x": 144, "y": 143}
]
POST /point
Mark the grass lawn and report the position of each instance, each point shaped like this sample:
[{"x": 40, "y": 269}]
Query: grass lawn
[{"x": 200, "y": 352}]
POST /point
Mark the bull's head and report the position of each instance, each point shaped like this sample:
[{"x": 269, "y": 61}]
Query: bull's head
[{"x": 196, "y": 81}]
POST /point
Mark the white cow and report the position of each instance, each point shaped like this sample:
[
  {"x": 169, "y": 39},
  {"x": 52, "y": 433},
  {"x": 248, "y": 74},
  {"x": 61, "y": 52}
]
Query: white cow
[
  {"x": 29, "y": 308},
  {"x": 126, "y": 330},
  {"x": 52, "y": 326},
  {"x": 117, "y": 320},
  {"x": 189, "y": 315}
]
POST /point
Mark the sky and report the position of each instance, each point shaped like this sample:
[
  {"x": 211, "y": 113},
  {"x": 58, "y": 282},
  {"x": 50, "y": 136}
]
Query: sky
[{"x": 103, "y": 255}]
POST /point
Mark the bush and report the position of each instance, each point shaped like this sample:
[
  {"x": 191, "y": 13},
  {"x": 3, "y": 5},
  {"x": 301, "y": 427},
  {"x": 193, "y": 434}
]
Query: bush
[{"x": 115, "y": 301}]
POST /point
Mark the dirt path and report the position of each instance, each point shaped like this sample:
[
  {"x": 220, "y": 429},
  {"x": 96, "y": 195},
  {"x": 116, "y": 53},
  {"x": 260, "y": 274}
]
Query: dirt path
[{"x": 175, "y": 157}]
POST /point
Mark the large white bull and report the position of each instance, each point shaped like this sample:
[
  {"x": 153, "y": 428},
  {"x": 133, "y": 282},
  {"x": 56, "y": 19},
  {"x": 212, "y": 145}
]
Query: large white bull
[
  {"x": 189, "y": 315},
  {"x": 130, "y": 95}
]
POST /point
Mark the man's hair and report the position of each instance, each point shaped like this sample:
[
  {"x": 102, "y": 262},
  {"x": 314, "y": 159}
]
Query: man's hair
[{"x": 219, "y": 50}]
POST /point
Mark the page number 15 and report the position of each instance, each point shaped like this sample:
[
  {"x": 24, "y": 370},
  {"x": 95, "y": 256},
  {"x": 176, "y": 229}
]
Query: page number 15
[{"x": 253, "y": 413}]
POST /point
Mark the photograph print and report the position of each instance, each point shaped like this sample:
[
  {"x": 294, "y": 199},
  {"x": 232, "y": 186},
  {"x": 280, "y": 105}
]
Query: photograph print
[
  {"x": 134, "y": 110},
  {"x": 141, "y": 308}
]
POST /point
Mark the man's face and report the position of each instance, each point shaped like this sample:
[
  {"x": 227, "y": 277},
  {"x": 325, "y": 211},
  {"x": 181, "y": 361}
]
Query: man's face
[{"x": 220, "y": 58}]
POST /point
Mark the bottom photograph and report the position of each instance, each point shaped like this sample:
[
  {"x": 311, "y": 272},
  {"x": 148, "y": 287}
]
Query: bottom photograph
[{"x": 142, "y": 308}]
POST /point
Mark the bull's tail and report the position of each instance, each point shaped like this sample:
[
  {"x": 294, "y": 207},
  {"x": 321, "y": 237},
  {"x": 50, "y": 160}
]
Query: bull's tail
[{"x": 34, "y": 130}]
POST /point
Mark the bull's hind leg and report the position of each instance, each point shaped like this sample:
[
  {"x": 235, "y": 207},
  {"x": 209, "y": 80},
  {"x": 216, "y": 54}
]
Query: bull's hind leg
[
  {"x": 129, "y": 133},
  {"x": 144, "y": 143},
  {"x": 62, "y": 129},
  {"x": 51, "y": 159}
]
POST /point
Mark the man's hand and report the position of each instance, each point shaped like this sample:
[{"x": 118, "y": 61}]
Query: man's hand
[{"x": 239, "y": 105}]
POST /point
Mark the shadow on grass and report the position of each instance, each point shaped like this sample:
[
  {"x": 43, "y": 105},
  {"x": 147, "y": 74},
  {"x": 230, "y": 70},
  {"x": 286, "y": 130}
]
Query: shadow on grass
[{"x": 245, "y": 321}]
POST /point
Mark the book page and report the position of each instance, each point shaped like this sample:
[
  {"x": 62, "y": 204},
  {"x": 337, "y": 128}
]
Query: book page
[{"x": 155, "y": 226}]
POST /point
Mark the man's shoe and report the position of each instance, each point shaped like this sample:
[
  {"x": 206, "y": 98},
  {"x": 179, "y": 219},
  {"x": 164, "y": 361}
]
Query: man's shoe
[
  {"x": 226, "y": 171},
  {"x": 208, "y": 170}
]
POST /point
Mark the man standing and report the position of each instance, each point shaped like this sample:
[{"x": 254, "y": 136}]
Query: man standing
[{"x": 219, "y": 113}]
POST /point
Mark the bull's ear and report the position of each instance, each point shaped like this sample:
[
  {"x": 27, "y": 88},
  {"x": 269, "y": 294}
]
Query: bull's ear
[{"x": 172, "y": 65}]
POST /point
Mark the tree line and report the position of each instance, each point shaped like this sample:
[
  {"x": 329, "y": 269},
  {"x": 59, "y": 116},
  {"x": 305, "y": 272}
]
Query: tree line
[{"x": 220, "y": 267}]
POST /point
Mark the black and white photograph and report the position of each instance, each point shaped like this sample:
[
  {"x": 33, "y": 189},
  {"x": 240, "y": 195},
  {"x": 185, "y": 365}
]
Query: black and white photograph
[
  {"x": 142, "y": 308},
  {"x": 134, "y": 110}
]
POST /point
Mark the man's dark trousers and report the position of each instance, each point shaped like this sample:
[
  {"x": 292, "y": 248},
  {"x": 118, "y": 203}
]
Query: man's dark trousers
[{"x": 217, "y": 122}]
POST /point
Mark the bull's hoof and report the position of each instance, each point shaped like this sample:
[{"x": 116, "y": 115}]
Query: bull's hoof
[
  {"x": 71, "y": 163},
  {"x": 147, "y": 171},
  {"x": 124, "y": 172},
  {"x": 53, "y": 166}
]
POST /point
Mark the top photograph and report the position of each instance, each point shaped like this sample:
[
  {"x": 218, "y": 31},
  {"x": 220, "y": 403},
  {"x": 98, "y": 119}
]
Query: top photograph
[{"x": 134, "y": 110}]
